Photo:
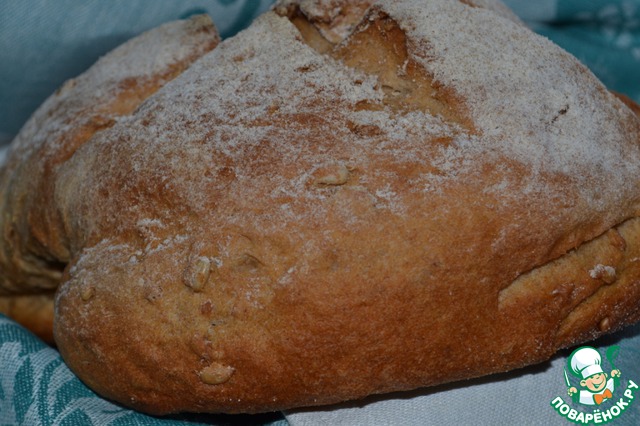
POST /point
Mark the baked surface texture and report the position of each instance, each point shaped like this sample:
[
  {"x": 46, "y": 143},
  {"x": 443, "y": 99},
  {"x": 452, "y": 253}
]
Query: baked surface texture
[
  {"x": 346, "y": 198},
  {"x": 35, "y": 250}
]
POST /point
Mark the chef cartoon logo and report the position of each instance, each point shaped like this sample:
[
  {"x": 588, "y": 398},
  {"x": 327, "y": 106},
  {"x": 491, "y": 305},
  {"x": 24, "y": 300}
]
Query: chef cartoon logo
[
  {"x": 596, "y": 386},
  {"x": 597, "y": 395}
]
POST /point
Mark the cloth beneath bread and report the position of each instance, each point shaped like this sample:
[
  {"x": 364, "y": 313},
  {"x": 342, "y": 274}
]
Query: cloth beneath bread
[{"x": 37, "y": 389}]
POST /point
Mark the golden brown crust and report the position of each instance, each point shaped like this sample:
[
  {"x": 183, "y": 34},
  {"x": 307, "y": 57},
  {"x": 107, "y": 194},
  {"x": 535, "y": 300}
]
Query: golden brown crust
[
  {"x": 33, "y": 311},
  {"x": 629, "y": 102},
  {"x": 305, "y": 221}
]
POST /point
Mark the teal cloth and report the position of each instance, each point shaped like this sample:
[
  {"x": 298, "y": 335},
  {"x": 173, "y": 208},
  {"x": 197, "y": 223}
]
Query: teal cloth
[
  {"x": 44, "y": 42},
  {"x": 604, "y": 35}
]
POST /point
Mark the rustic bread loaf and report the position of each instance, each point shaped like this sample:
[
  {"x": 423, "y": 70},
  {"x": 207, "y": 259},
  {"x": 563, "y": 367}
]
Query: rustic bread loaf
[{"x": 347, "y": 198}]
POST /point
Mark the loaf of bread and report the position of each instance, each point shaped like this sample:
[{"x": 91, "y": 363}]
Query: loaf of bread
[{"x": 347, "y": 198}]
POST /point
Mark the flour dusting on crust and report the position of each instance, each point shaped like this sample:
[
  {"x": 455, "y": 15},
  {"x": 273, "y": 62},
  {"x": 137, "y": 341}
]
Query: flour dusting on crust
[{"x": 531, "y": 103}]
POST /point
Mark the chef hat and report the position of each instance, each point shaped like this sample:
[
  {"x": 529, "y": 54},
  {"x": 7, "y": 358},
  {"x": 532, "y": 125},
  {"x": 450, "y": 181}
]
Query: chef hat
[{"x": 585, "y": 362}]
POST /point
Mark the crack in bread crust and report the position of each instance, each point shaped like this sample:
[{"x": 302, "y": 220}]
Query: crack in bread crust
[
  {"x": 378, "y": 46},
  {"x": 587, "y": 292}
]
